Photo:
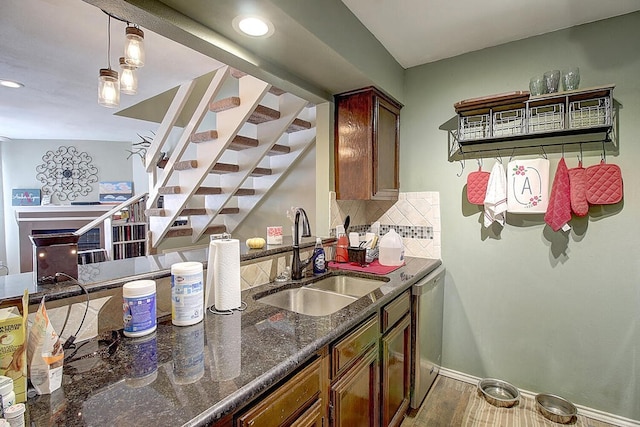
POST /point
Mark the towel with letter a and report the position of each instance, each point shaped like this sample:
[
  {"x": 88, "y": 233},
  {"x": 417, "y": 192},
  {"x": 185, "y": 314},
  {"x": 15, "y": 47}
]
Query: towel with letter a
[
  {"x": 495, "y": 201},
  {"x": 528, "y": 182}
]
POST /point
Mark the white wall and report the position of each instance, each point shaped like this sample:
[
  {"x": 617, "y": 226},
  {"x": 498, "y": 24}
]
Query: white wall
[
  {"x": 20, "y": 159},
  {"x": 547, "y": 311}
]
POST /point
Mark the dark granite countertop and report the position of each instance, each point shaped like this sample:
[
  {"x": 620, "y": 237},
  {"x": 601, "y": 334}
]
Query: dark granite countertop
[
  {"x": 195, "y": 375},
  {"x": 113, "y": 274}
]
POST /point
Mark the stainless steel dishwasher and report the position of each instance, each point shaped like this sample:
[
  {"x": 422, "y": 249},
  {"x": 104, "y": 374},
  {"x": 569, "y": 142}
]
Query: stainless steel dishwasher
[{"x": 427, "y": 301}]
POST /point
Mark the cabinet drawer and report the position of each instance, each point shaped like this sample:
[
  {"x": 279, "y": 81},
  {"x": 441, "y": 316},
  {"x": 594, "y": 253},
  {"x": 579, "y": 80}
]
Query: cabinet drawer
[
  {"x": 395, "y": 310},
  {"x": 347, "y": 350},
  {"x": 285, "y": 401}
]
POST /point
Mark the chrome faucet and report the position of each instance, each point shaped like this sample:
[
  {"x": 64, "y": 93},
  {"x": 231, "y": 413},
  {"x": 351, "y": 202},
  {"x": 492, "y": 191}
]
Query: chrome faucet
[{"x": 298, "y": 266}]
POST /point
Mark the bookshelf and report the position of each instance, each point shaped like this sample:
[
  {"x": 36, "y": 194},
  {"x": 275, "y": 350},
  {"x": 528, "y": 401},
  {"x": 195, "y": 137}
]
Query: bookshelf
[{"x": 128, "y": 236}]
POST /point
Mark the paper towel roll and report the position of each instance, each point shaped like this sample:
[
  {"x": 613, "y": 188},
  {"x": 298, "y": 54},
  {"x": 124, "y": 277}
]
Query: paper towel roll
[
  {"x": 226, "y": 274},
  {"x": 209, "y": 289}
]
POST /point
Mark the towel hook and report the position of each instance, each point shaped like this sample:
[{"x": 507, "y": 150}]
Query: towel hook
[
  {"x": 544, "y": 153},
  {"x": 580, "y": 157},
  {"x": 563, "y": 151},
  {"x": 512, "y": 153},
  {"x": 499, "y": 157},
  {"x": 462, "y": 163},
  {"x": 604, "y": 153},
  {"x": 479, "y": 160}
]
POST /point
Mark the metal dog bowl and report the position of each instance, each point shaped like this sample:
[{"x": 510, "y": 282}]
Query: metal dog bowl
[
  {"x": 499, "y": 393},
  {"x": 555, "y": 408}
]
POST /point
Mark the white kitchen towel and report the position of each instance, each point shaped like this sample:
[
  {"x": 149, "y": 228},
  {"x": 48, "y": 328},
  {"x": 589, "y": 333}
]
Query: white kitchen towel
[
  {"x": 528, "y": 182},
  {"x": 226, "y": 274},
  {"x": 495, "y": 202}
]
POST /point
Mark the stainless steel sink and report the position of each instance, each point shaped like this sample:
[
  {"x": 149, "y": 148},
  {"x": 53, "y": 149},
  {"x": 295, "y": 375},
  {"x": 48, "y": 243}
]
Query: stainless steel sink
[
  {"x": 347, "y": 285},
  {"x": 324, "y": 297},
  {"x": 312, "y": 302}
]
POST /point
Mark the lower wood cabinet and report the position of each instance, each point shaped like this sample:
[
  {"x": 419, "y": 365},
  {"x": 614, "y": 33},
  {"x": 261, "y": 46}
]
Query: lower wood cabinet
[
  {"x": 354, "y": 395},
  {"x": 396, "y": 367},
  {"x": 300, "y": 401},
  {"x": 361, "y": 379},
  {"x": 395, "y": 362}
]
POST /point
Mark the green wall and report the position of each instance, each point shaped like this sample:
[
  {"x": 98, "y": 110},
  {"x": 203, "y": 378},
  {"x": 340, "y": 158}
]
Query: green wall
[{"x": 549, "y": 312}]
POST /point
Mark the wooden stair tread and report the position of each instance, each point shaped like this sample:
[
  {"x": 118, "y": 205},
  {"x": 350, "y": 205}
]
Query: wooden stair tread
[
  {"x": 261, "y": 172},
  {"x": 298, "y": 125},
  {"x": 206, "y": 191},
  {"x": 240, "y": 142},
  {"x": 279, "y": 149},
  {"x": 263, "y": 114},
  {"x": 154, "y": 212},
  {"x": 207, "y": 135},
  {"x": 224, "y": 168},
  {"x": 193, "y": 211},
  {"x": 276, "y": 91},
  {"x": 224, "y": 104},
  {"x": 179, "y": 232},
  {"x": 185, "y": 165},
  {"x": 203, "y": 211},
  {"x": 244, "y": 192},
  {"x": 172, "y": 189},
  {"x": 216, "y": 229},
  {"x": 229, "y": 211}
]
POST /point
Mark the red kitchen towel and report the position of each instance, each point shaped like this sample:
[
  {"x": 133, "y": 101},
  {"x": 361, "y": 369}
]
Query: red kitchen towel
[
  {"x": 477, "y": 186},
  {"x": 604, "y": 184},
  {"x": 373, "y": 268},
  {"x": 559, "y": 209},
  {"x": 578, "y": 187}
]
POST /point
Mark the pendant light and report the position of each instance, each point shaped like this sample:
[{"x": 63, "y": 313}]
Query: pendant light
[
  {"x": 134, "y": 46},
  {"x": 128, "y": 78},
  {"x": 108, "y": 82}
]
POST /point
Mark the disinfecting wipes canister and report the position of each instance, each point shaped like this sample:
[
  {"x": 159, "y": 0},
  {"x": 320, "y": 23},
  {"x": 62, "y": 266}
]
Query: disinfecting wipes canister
[
  {"x": 139, "y": 307},
  {"x": 187, "y": 293}
]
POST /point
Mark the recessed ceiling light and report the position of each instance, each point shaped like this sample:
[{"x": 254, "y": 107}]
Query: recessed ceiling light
[
  {"x": 10, "y": 83},
  {"x": 253, "y": 26}
]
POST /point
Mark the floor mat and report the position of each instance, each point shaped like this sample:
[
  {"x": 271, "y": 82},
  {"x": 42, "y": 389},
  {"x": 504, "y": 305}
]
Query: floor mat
[{"x": 480, "y": 413}]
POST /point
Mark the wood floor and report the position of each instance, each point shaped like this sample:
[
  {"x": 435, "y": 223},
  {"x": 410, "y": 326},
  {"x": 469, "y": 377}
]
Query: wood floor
[{"x": 447, "y": 402}]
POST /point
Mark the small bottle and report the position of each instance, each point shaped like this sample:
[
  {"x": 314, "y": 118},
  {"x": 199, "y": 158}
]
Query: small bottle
[
  {"x": 319, "y": 258},
  {"x": 342, "y": 252},
  {"x": 7, "y": 395}
]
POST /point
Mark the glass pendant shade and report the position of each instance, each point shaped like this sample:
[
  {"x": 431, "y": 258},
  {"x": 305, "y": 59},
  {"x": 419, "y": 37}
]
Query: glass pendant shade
[
  {"x": 108, "y": 88},
  {"x": 134, "y": 47},
  {"x": 128, "y": 78}
]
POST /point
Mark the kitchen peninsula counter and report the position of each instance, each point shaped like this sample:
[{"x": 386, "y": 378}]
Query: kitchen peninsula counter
[
  {"x": 198, "y": 374},
  {"x": 113, "y": 274}
]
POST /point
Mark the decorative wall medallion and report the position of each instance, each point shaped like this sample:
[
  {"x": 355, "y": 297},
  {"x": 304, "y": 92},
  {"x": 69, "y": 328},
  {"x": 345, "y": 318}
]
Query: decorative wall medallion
[{"x": 67, "y": 173}]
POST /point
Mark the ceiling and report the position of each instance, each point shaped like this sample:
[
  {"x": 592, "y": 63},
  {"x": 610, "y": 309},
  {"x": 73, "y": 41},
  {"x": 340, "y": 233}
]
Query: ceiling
[
  {"x": 417, "y": 32},
  {"x": 59, "y": 56}
]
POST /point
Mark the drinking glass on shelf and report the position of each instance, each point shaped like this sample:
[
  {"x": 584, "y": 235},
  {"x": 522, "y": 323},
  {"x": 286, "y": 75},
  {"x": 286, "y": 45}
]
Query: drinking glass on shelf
[
  {"x": 552, "y": 81},
  {"x": 571, "y": 79},
  {"x": 537, "y": 86}
]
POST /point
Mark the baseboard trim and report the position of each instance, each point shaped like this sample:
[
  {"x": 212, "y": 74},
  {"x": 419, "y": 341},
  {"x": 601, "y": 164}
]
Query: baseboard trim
[{"x": 582, "y": 410}]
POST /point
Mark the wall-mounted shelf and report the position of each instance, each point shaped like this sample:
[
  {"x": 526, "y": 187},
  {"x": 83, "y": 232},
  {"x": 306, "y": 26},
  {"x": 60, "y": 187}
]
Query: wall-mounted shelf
[{"x": 569, "y": 121}]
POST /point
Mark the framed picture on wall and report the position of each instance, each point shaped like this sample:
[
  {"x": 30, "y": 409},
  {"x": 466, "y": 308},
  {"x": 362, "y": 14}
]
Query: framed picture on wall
[
  {"x": 25, "y": 197},
  {"x": 115, "y": 191}
]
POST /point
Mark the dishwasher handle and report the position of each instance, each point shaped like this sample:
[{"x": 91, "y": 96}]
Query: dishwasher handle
[{"x": 429, "y": 282}]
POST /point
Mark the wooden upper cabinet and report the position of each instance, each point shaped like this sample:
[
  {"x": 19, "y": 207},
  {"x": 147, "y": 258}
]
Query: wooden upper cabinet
[{"x": 367, "y": 145}]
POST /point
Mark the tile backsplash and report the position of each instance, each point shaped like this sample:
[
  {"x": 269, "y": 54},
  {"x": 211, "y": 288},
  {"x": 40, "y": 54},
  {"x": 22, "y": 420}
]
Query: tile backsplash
[{"x": 415, "y": 216}]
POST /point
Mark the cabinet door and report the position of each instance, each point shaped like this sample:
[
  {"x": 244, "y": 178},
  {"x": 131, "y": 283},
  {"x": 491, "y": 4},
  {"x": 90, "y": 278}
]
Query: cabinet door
[
  {"x": 312, "y": 417},
  {"x": 355, "y": 395},
  {"x": 396, "y": 366},
  {"x": 386, "y": 150},
  {"x": 297, "y": 395}
]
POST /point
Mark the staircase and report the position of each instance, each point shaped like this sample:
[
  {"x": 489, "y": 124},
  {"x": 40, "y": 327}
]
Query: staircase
[{"x": 226, "y": 159}]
